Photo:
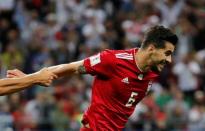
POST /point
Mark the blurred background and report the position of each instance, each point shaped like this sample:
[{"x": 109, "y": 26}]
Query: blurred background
[{"x": 39, "y": 33}]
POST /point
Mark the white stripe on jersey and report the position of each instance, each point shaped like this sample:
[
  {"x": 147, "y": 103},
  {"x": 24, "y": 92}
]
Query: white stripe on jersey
[
  {"x": 127, "y": 58},
  {"x": 124, "y": 56}
]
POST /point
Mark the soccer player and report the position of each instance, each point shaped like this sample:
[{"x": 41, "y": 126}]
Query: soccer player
[
  {"x": 122, "y": 78},
  {"x": 11, "y": 85}
]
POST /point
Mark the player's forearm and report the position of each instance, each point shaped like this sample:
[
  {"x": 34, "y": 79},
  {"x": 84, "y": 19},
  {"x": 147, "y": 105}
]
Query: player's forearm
[
  {"x": 66, "y": 69},
  {"x": 11, "y": 85}
]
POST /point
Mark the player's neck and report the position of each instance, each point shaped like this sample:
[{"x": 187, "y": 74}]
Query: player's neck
[{"x": 141, "y": 60}]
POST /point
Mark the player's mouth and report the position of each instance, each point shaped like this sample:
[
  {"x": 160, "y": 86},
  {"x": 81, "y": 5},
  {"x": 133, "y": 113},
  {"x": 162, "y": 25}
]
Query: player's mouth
[
  {"x": 161, "y": 65},
  {"x": 163, "y": 62}
]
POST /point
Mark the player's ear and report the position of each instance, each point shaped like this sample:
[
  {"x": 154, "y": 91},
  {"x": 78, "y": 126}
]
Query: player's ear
[{"x": 151, "y": 48}]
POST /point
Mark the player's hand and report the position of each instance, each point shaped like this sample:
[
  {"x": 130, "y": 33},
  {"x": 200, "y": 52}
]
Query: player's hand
[
  {"x": 14, "y": 73},
  {"x": 45, "y": 77}
]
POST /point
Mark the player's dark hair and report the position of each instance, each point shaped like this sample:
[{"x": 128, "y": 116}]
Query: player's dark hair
[{"x": 157, "y": 36}]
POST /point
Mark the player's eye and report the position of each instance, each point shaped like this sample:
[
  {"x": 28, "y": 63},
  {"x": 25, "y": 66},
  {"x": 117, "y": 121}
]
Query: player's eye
[{"x": 168, "y": 53}]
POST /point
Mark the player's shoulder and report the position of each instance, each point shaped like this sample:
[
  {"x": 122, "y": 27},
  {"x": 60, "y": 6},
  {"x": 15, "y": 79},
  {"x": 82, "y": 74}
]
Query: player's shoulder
[
  {"x": 123, "y": 54},
  {"x": 119, "y": 54}
]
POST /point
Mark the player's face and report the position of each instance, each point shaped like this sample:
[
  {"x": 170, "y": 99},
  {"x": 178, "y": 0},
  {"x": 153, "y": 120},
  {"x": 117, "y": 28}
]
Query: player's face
[{"x": 161, "y": 57}]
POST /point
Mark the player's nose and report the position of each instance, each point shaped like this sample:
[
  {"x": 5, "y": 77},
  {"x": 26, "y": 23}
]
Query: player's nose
[{"x": 169, "y": 59}]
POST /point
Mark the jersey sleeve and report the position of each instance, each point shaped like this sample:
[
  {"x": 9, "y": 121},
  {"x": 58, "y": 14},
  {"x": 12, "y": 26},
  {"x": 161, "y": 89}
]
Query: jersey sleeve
[{"x": 100, "y": 64}]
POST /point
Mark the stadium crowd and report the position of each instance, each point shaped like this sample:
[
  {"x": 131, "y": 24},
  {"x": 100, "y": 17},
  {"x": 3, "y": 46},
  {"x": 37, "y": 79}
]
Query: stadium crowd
[{"x": 40, "y": 33}]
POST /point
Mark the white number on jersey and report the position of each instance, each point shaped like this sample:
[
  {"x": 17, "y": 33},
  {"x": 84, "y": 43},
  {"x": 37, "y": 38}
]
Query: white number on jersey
[{"x": 131, "y": 99}]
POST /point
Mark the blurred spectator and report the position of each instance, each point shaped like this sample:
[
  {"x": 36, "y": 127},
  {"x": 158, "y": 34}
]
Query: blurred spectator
[
  {"x": 6, "y": 121},
  {"x": 59, "y": 118},
  {"x": 170, "y": 11},
  {"x": 163, "y": 99},
  {"x": 197, "y": 113},
  {"x": 7, "y": 8},
  {"x": 187, "y": 72},
  {"x": 12, "y": 57},
  {"x": 93, "y": 31},
  {"x": 200, "y": 56},
  {"x": 177, "y": 112},
  {"x": 40, "y": 110},
  {"x": 185, "y": 31}
]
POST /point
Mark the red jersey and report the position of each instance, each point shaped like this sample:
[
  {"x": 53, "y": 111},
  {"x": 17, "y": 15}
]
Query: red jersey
[{"x": 118, "y": 86}]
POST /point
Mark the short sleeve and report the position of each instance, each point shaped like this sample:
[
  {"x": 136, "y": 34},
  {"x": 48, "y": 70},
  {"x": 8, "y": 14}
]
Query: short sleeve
[{"x": 100, "y": 64}]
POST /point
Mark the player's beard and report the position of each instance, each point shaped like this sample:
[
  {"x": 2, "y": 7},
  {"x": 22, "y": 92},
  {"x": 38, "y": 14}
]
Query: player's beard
[{"x": 154, "y": 68}]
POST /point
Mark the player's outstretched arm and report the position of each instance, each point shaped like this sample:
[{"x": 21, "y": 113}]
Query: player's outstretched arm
[
  {"x": 68, "y": 69},
  {"x": 59, "y": 70},
  {"x": 22, "y": 81}
]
